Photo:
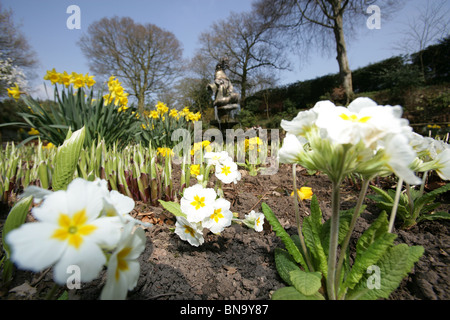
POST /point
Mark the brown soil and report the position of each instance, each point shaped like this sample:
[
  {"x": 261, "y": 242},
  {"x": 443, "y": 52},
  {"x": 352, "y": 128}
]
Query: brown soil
[{"x": 239, "y": 264}]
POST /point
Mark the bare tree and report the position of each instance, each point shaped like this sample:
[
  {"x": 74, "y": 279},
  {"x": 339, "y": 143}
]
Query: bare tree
[
  {"x": 145, "y": 57},
  {"x": 15, "y": 51},
  {"x": 318, "y": 23},
  {"x": 430, "y": 25},
  {"x": 247, "y": 42}
]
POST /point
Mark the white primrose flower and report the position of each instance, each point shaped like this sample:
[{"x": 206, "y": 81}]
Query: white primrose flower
[
  {"x": 123, "y": 265},
  {"x": 443, "y": 164},
  {"x": 292, "y": 149},
  {"x": 228, "y": 172},
  {"x": 221, "y": 217},
  {"x": 215, "y": 158},
  {"x": 189, "y": 231},
  {"x": 197, "y": 203},
  {"x": 117, "y": 204},
  {"x": 399, "y": 155},
  {"x": 305, "y": 120},
  {"x": 255, "y": 220},
  {"x": 363, "y": 120},
  {"x": 68, "y": 232}
]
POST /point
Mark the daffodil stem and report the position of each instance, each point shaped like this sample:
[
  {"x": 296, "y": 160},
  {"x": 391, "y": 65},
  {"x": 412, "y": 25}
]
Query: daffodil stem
[
  {"x": 297, "y": 217},
  {"x": 362, "y": 195},
  {"x": 395, "y": 206}
]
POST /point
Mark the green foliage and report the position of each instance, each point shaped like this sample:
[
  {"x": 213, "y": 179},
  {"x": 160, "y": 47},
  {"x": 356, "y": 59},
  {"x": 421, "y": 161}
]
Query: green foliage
[
  {"x": 66, "y": 159},
  {"x": 413, "y": 206},
  {"x": 247, "y": 118},
  {"x": 173, "y": 208},
  {"x": 375, "y": 249},
  {"x": 159, "y": 125},
  {"x": 15, "y": 219},
  {"x": 293, "y": 250},
  {"x": 74, "y": 110}
]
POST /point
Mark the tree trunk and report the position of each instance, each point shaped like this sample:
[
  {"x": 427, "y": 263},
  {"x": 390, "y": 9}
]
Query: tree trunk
[
  {"x": 141, "y": 102},
  {"x": 344, "y": 68}
]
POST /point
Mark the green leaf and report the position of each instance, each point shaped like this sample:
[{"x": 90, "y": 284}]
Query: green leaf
[
  {"x": 66, "y": 159},
  {"x": 382, "y": 193},
  {"x": 307, "y": 283},
  {"x": 285, "y": 264},
  {"x": 435, "y": 216},
  {"x": 284, "y": 236},
  {"x": 312, "y": 229},
  {"x": 15, "y": 219},
  {"x": 173, "y": 208},
  {"x": 429, "y": 197},
  {"x": 369, "y": 257},
  {"x": 395, "y": 264},
  {"x": 290, "y": 293},
  {"x": 378, "y": 228}
]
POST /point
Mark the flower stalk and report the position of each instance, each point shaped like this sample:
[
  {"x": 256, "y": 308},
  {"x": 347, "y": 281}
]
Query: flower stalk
[{"x": 297, "y": 218}]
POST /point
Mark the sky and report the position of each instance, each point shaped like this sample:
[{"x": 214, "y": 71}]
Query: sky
[{"x": 44, "y": 24}]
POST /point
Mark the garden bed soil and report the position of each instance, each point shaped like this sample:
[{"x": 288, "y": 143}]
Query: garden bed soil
[{"x": 239, "y": 263}]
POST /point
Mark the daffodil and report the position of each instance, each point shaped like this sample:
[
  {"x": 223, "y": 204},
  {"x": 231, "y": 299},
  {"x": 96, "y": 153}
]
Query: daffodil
[
  {"x": 154, "y": 114},
  {"x": 33, "y": 132},
  {"x": 14, "y": 92},
  {"x": 78, "y": 80},
  {"x": 221, "y": 218},
  {"x": 228, "y": 172},
  {"x": 197, "y": 203},
  {"x": 189, "y": 231},
  {"x": 123, "y": 265},
  {"x": 161, "y": 107},
  {"x": 49, "y": 146},
  {"x": 304, "y": 193},
  {"x": 164, "y": 151},
  {"x": 65, "y": 79},
  {"x": 69, "y": 231},
  {"x": 52, "y": 75},
  {"x": 173, "y": 113},
  {"x": 195, "y": 169},
  {"x": 89, "y": 80}
]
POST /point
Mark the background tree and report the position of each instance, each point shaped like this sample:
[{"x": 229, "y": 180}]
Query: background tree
[
  {"x": 17, "y": 59},
  {"x": 146, "y": 58},
  {"x": 247, "y": 42},
  {"x": 430, "y": 25},
  {"x": 318, "y": 23}
]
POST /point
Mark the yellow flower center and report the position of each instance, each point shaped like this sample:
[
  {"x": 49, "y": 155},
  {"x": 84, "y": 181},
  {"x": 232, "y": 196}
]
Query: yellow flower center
[
  {"x": 73, "y": 229},
  {"x": 258, "y": 221},
  {"x": 198, "y": 202},
  {"x": 122, "y": 264},
  {"x": 354, "y": 118},
  {"x": 189, "y": 230},
  {"x": 217, "y": 215},
  {"x": 226, "y": 170}
]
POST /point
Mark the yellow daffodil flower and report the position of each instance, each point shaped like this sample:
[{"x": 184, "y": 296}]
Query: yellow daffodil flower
[
  {"x": 53, "y": 76},
  {"x": 33, "y": 132},
  {"x": 14, "y": 92},
  {"x": 304, "y": 193}
]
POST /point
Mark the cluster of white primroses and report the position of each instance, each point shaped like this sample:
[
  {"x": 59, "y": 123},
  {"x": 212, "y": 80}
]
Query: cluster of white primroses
[
  {"x": 205, "y": 208},
  {"x": 86, "y": 226},
  {"x": 363, "y": 138}
]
